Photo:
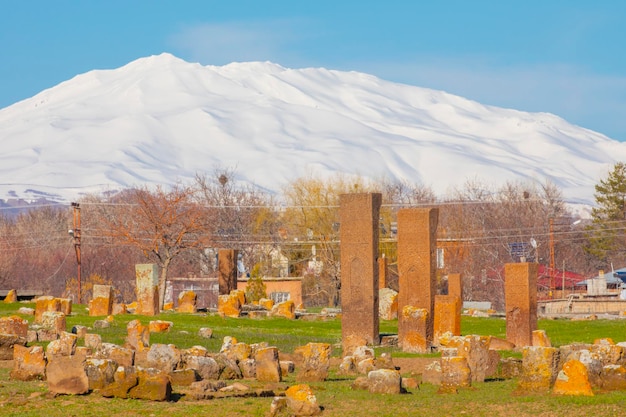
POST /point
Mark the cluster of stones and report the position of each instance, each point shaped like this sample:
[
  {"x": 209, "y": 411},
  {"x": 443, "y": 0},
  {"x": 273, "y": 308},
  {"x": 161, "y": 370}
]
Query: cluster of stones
[
  {"x": 234, "y": 304},
  {"x": 143, "y": 371}
]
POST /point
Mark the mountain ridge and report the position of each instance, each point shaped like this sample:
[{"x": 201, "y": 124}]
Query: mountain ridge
[{"x": 160, "y": 120}]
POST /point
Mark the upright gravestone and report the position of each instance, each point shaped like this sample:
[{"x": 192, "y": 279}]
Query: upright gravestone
[
  {"x": 520, "y": 296},
  {"x": 101, "y": 303},
  {"x": 147, "y": 288},
  {"x": 359, "y": 214},
  {"x": 227, "y": 266},
  {"x": 417, "y": 230}
]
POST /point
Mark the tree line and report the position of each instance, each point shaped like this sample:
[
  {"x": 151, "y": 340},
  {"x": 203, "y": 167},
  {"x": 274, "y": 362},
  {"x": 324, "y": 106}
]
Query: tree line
[{"x": 481, "y": 227}]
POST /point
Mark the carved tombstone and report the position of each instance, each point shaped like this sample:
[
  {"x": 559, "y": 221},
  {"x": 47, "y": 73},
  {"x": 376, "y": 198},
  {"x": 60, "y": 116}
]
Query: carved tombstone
[
  {"x": 520, "y": 293},
  {"x": 359, "y": 214}
]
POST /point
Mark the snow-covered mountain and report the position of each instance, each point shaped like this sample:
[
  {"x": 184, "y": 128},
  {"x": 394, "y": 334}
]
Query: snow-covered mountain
[{"x": 161, "y": 120}]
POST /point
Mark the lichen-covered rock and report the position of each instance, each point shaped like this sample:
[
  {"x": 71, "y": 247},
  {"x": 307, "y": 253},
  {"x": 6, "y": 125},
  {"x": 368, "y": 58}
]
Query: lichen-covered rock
[
  {"x": 413, "y": 336},
  {"x": 228, "y": 305},
  {"x": 121, "y": 355},
  {"x": 540, "y": 338},
  {"x": 315, "y": 362},
  {"x": 268, "y": 365},
  {"x": 387, "y": 304},
  {"x": 124, "y": 378},
  {"x": 614, "y": 378},
  {"x": 100, "y": 372},
  {"x": 159, "y": 326},
  {"x": 184, "y": 377},
  {"x": 228, "y": 367},
  {"x": 301, "y": 401},
  {"x": 539, "y": 369},
  {"x": 66, "y": 375},
  {"x": 286, "y": 309},
  {"x": 93, "y": 341},
  {"x": 44, "y": 304},
  {"x": 455, "y": 374},
  {"x": 64, "y": 346},
  {"x": 572, "y": 380},
  {"x": 54, "y": 320},
  {"x": 187, "y": 302},
  {"x": 11, "y": 297},
  {"x": 206, "y": 367},
  {"x": 101, "y": 303},
  {"x": 248, "y": 368},
  {"x": 384, "y": 381},
  {"x": 237, "y": 351},
  {"x": 29, "y": 363},
  {"x": 166, "y": 358},
  {"x": 14, "y": 325},
  {"x": 138, "y": 335},
  {"x": 152, "y": 384},
  {"x": 205, "y": 332}
]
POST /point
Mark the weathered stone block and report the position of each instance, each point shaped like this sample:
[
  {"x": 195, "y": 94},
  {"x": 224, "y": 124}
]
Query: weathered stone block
[
  {"x": 123, "y": 356},
  {"x": 455, "y": 374},
  {"x": 384, "y": 381},
  {"x": 539, "y": 369},
  {"x": 147, "y": 288},
  {"x": 101, "y": 303},
  {"x": 167, "y": 358},
  {"x": 66, "y": 375},
  {"x": 520, "y": 290},
  {"x": 159, "y": 326},
  {"x": 54, "y": 320},
  {"x": 14, "y": 325},
  {"x": 572, "y": 380},
  {"x": 286, "y": 309},
  {"x": 100, "y": 372},
  {"x": 315, "y": 362},
  {"x": 228, "y": 305},
  {"x": 447, "y": 316},
  {"x": 28, "y": 363},
  {"x": 301, "y": 401},
  {"x": 11, "y": 297},
  {"x": 138, "y": 337},
  {"x": 268, "y": 365},
  {"x": 415, "y": 324},
  {"x": 187, "y": 302},
  {"x": 388, "y": 304},
  {"x": 152, "y": 384},
  {"x": 46, "y": 303}
]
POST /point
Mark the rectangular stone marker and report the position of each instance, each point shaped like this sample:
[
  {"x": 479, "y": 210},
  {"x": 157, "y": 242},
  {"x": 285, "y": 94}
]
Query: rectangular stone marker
[
  {"x": 382, "y": 272},
  {"x": 455, "y": 286},
  {"x": 447, "y": 316},
  {"x": 101, "y": 302},
  {"x": 227, "y": 267},
  {"x": 359, "y": 214},
  {"x": 417, "y": 267},
  {"x": 520, "y": 295},
  {"x": 147, "y": 289}
]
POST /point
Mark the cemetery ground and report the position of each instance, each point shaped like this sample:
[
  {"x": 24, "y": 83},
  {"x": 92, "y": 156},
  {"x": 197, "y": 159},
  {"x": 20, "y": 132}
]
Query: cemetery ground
[{"x": 494, "y": 397}]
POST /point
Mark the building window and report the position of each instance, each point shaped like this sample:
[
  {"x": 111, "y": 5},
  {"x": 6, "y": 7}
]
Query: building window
[
  {"x": 440, "y": 259},
  {"x": 279, "y": 297}
]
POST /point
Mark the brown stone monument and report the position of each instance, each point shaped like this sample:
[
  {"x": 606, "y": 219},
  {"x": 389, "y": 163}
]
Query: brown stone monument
[
  {"x": 520, "y": 295},
  {"x": 101, "y": 302},
  {"x": 382, "y": 272},
  {"x": 147, "y": 289},
  {"x": 447, "y": 316},
  {"x": 359, "y": 214},
  {"x": 417, "y": 230},
  {"x": 227, "y": 267}
]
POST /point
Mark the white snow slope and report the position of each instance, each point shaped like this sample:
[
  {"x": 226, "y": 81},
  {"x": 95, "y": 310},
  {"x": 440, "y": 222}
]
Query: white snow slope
[{"x": 161, "y": 120}]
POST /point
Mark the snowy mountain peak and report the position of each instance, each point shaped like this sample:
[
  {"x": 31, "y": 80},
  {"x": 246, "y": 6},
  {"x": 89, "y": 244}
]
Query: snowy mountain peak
[{"x": 161, "y": 119}]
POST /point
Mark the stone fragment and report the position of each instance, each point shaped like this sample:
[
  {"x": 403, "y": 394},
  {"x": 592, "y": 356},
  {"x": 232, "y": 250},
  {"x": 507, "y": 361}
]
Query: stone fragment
[
  {"x": 301, "y": 400},
  {"x": 387, "y": 303},
  {"x": 539, "y": 369},
  {"x": 415, "y": 336},
  {"x": 64, "y": 346},
  {"x": 206, "y": 367},
  {"x": 184, "y": 377},
  {"x": 159, "y": 326},
  {"x": 572, "y": 380},
  {"x": 124, "y": 379},
  {"x": 138, "y": 337},
  {"x": 123, "y": 356},
  {"x": 147, "y": 289},
  {"x": 11, "y": 297},
  {"x": 228, "y": 305},
  {"x": 614, "y": 378},
  {"x": 205, "y": 332},
  {"x": 455, "y": 374},
  {"x": 384, "y": 381},
  {"x": 286, "y": 309},
  {"x": 66, "y": 375},
  {"x": 46, "y": 303},
  {"x": 29, "y": 363},
  {"x": 315, "y": 362},
  {"x": 93, "y": 341},
  {"x": 100, "y": 372},
  {"x": 187, "y": 302},
  {"x": 166, "y": 358},
  {"x": 268, "y": 365},
  {"x": 14, "y": 325},
  {"x": 101, "y": 302},
  {"x": 119, "y": 309},
  {"x": 54, "y": 320},
  {"x": 540, "y": 338},
  {"x": 152, "y": 385}
]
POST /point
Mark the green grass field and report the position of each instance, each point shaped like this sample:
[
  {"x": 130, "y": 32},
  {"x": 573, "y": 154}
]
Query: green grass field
[{"x": 491, "y": 398}]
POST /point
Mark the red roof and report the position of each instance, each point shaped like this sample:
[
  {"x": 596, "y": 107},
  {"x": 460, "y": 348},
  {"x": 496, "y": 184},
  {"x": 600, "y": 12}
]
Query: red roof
[{"x": 543, "y": 278}]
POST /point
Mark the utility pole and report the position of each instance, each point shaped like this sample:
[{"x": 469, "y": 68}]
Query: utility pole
[
  {"x": 552, "y": 267},
  {"x": 75, "y": 233}
]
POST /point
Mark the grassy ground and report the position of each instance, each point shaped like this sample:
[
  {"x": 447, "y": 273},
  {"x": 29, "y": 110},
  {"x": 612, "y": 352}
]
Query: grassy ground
[{"x": 491, "y": 398}]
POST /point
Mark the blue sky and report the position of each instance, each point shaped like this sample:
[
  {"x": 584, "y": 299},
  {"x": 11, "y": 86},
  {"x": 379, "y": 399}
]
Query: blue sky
[{"x": 564, "y": 57}]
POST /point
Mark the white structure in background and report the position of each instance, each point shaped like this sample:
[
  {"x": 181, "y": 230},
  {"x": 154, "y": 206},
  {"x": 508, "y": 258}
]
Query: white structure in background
[{"x": 314, "y": 264}]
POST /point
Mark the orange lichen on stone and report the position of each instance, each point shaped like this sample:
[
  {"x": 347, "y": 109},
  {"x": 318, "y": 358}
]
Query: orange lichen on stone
[
  {"x": 286, "y": 309},
  {"x": 414, "y": 338},
  {"x": 159, "y": 326},
  {"x": 28, "y": 363},
  {"x": 187, "y": 302},
  {"x": 228, "y": 305},
  {"x": 11, "y": 297},
  {"x": 573, "y": 379},
  {"x": 540, "y": 338},
  {"x": 14, "y": 325}
]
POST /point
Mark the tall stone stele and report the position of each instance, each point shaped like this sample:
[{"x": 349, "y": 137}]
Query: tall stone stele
[
  {"x": 147, "y": 289},
  {"x": 227, "y": 267},
  {"x": 520, "y": 295},
  {"x": 359, "y": 214},
  {"x": 417, "y": 267}
]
